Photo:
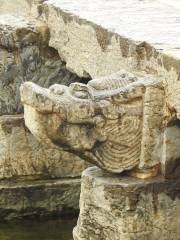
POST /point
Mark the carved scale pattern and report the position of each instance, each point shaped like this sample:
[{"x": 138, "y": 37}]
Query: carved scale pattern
[
  {"x": 122, "y": 148},
  {"x": 115, "y": 81}
]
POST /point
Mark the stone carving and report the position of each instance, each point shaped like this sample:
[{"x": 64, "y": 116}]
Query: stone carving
[{"x": 105, "y": 122}]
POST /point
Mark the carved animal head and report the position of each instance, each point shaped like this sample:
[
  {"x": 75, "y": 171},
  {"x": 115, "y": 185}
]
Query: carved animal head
[{"x": 100, "y": 121}]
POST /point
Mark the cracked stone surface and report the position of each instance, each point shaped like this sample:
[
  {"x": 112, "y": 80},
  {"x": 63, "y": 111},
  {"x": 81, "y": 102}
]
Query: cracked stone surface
[
  {"x": 123, "y": 208},
  {"x": 95, "y": 39}
]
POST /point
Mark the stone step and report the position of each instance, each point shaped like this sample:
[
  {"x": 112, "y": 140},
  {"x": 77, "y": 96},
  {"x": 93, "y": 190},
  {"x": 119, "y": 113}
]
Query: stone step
[
  {"x": 43, "y": 198},
  {"x": 132, "y": 19}
]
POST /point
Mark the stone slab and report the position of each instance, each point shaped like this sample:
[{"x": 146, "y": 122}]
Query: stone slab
[
  {"x": 43, "y": 198},
  {"x": 116, "y": 207},
  {"x": 134, "y": 19}
]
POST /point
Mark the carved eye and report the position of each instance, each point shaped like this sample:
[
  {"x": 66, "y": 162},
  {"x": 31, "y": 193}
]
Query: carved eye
[
  {"x": 57, "y": 89},
  {"x": 80, "y": 90}
]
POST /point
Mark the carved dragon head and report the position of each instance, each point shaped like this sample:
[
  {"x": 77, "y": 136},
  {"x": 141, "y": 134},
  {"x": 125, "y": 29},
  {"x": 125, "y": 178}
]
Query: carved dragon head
[{"x": 100, "y": 121}]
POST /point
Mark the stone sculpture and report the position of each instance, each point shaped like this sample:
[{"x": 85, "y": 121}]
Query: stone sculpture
[
  {"x": 114, "y": 122},
  {"x": 121, "y": 123}
]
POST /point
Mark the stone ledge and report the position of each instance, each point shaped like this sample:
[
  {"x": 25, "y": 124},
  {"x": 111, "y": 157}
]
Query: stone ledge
[{"x": 45, "y": 198}]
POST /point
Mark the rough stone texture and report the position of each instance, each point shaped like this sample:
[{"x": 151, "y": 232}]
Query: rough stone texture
[
  {"x": 22, "y": 155},
  {"x": 123, "y": 208},
  {"x": 41, "y": 198},
  {"x": 25, "y": 56}
]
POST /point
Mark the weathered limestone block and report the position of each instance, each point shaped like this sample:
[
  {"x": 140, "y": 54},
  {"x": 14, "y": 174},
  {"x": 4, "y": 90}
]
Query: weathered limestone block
[
  {"x": 26, "y": 56},
  {"x": 42, "y": 198},
  {"x": 106, "y": 122},
  {"x": 124, "y": 208},
  {"x": 87, "y": 48},
  {"x": 22, "y": 155}
]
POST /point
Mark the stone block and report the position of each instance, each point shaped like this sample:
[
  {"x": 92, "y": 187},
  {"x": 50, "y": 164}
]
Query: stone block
[{"x": 117, "y": 207}]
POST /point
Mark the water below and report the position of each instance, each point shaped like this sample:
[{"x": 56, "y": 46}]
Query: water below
[{"x": 38, "y": 230}]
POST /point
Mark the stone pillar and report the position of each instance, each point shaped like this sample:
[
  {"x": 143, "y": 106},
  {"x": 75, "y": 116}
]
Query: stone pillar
[{"x": 116, "y": 207}]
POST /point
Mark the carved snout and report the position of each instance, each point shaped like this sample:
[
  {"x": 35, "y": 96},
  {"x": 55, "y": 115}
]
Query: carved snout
[
  {"x": 41, "y": 99},
  {"x": 42, "y": 114}
]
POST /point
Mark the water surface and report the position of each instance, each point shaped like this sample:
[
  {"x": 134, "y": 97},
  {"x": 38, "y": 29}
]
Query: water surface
[{"x": 38, "y": 230}]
